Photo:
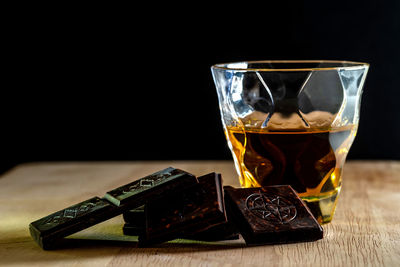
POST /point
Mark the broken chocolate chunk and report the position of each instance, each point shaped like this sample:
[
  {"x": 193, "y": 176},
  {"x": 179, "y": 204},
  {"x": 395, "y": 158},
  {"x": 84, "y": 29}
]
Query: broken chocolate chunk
[{"x": 192, "y": 211}]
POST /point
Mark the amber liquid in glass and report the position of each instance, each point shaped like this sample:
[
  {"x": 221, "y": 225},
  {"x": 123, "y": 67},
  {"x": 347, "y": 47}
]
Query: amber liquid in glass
[{"x": 310, "y": 161}]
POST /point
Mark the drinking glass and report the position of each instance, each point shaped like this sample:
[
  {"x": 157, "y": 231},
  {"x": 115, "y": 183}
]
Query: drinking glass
[{"x": 291, "y": 122}]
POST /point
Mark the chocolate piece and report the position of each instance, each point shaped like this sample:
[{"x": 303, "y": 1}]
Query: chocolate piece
[
  {"x": 48, "y": 230},
  {"x": 271, "y": 215},
  {"x": 135, "y": 217},
  {"x": 135, "y": 221},
  {"x": 132, "y": 229},
  {"x": 192, "y": 211},
  {"x": 138, "y": 192}
]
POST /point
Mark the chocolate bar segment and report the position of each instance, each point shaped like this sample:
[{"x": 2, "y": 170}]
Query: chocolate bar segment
[
  {"x": 138, "y": 192},
  {"x": 271, "y": 215},
  {"x": 48, "y": 230},
  {"x": 135, "y": 221},
  {"x": 192, "y": 211}
]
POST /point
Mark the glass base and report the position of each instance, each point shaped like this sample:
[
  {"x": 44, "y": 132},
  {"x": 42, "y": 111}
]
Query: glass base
[{"x": 324, "y": 207}]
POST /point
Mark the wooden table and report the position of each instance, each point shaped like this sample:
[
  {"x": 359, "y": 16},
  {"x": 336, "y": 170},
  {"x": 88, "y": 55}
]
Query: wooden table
[{"x": 365, "y": 229}]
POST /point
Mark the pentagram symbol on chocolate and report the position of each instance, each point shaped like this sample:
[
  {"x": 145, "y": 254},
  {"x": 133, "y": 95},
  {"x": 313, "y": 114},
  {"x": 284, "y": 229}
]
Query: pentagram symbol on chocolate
[{"x": 271, "y": 207}]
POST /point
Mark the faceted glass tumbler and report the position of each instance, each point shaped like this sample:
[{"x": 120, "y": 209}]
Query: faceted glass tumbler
[{"x": 291, "y": 122}]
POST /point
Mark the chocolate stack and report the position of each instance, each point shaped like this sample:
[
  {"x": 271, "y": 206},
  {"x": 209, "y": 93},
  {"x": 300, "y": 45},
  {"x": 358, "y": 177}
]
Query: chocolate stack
[{"x": 172, "y": 204}]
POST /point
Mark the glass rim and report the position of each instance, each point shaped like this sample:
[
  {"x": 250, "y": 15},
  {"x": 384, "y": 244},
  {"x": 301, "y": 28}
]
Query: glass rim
[{"x": 351, "y": 65}]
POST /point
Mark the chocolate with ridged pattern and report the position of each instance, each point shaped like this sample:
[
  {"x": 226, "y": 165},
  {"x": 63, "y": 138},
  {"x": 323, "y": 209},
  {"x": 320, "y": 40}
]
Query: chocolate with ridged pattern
[{"x": 140, "y": 191}]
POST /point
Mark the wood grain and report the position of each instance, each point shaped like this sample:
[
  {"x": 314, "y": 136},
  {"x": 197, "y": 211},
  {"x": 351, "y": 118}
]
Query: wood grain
[{"x": 365, "y": 230}]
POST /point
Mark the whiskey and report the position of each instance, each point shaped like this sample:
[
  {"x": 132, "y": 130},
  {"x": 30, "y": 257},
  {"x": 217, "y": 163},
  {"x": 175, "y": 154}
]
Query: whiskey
[{"x": 310, "y": 161}]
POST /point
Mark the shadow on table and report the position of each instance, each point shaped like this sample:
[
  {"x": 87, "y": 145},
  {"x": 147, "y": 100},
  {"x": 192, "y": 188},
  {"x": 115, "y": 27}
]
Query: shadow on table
[
  {"x": 177, "y": 246},
  {"x": 73, "y": 250}
]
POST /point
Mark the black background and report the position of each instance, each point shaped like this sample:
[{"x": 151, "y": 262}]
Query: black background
[{"x": 133, "y": 83}]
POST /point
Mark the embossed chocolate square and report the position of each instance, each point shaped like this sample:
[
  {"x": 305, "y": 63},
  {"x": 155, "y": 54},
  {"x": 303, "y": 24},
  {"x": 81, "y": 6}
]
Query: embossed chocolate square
[
  {"x": 140, "y": 190},
  {"x": 271, "y": 215}
]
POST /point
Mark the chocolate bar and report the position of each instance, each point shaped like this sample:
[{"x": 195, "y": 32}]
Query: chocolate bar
[
  {"x": 50, "y": 229},
  {"x": 271, "y": 215},
  {"x": 192, "y": 211},
  {"x": 138, "y": 192}
]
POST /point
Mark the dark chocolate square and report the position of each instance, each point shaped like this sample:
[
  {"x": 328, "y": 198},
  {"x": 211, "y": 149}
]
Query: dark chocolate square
[{"x": 271, "y": 215}]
